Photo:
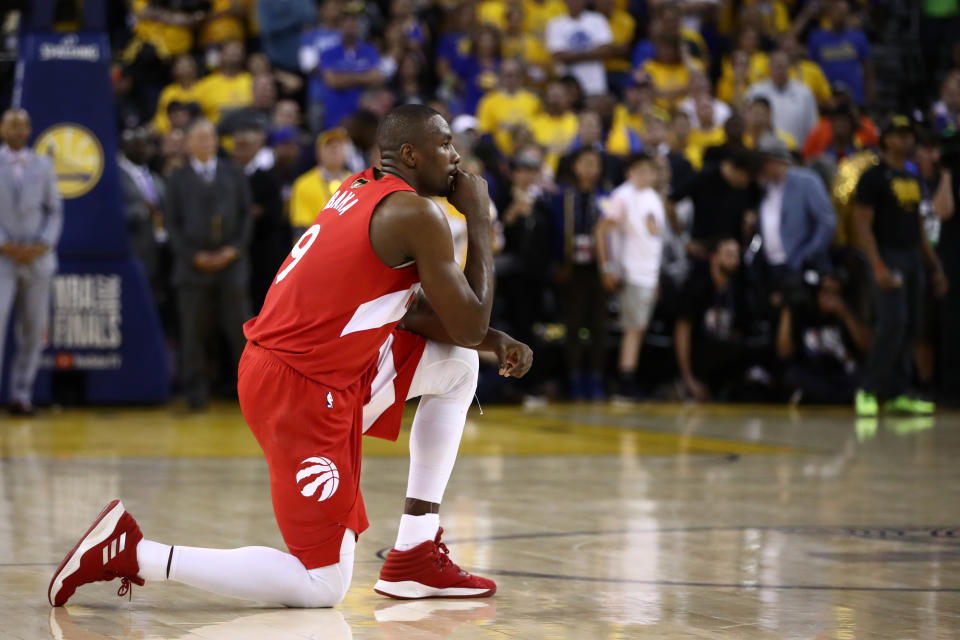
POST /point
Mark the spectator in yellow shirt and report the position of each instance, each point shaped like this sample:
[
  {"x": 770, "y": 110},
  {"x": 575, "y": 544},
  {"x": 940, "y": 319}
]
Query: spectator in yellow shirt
[
  {"x": 506, "y": 106},
  {"x": 183, "y": 89},
  {"x": 770, "y": 16},
  {"x": 745, "y": 66},
  {"x": 806, "y": 71},
  {"x": 537, "y": 13},
  {"x": 312, "y": 190},
  {"x": 707, "y": 134},
  {"x": 620, "y": 139},
  {"x": 556, "y": 126},
  {"x": 520, "y": 45},
  {"x": 168, "y": 31},
  {"x": 229, "y": 88},
  {"x": 669, "y": 70},
  {"x": 225, "y": 22},
  {"x": 639, "y": 105}
]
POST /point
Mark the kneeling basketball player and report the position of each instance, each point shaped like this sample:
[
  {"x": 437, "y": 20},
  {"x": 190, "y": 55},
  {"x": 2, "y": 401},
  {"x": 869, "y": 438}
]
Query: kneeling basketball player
[{"x": 369, "y": 309}]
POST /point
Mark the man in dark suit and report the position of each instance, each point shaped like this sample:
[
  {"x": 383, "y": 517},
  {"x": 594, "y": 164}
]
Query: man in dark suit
[
  {"x": 271, "y": 229},
  {"x": 208, "y": 218},
  {"x": 143, "y": 193}
]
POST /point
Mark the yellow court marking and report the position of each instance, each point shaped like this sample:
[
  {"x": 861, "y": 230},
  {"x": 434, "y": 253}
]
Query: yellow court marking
[{"x": 221, "y": 432}]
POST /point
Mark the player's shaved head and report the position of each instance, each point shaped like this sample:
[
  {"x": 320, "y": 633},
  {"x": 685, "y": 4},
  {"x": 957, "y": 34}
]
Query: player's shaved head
[
  {"x": 416, "y": 145},
  {"x": 407, "y": 124}
]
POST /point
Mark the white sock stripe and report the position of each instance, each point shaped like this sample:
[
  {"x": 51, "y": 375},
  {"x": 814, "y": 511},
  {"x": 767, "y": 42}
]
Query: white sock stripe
[
  {"x": 106, "y": 554},
  {"x": 113, "y": 548},
  {"x": 123, "y": 541}
]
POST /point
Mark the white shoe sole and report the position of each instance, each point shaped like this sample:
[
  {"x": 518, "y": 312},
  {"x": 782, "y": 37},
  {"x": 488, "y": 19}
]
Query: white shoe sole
[
  {"x": 410, "y": 590},
  {"x": 99, "y": 532}
]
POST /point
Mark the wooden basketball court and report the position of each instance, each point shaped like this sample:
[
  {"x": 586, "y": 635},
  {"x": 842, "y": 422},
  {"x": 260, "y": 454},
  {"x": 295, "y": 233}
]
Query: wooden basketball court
[{"x": 607, "y": 522}]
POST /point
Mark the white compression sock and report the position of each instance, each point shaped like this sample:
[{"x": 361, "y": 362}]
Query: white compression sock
[
  {"x": 416, "y": 529},
  {"x": 258, "y": 573},
  {"x": 153, "y": 558},
  {"x": 446, "y": 380}
]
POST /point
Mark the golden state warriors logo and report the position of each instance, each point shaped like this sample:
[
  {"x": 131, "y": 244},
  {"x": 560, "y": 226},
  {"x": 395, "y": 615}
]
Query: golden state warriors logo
[{"x": 77, "y": 157}]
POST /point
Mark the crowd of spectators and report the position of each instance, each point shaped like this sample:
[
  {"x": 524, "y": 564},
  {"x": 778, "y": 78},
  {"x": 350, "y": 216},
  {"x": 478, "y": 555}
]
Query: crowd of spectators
[{"x": 703, "y": 190}]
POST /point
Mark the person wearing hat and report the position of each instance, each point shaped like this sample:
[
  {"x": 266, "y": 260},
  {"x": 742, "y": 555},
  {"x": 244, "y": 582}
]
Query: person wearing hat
[
  {"x": 890, "y": 231},
  {"x": 312, "y": 190},
  {"x": 796, "y": 219}
]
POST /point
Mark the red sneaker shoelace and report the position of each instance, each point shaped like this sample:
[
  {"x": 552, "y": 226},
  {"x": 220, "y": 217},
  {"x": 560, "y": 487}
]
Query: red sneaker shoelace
[
  {"x": 125, "y": 588},
  {"x": 443, "y": 553}
]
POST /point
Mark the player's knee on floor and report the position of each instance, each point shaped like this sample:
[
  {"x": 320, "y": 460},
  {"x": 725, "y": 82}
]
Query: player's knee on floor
[{"x": 326, "y": 587}]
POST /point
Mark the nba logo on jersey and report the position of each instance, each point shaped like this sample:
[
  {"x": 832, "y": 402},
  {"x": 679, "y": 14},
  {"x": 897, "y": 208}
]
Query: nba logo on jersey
[{"x": 329, "y": 400}]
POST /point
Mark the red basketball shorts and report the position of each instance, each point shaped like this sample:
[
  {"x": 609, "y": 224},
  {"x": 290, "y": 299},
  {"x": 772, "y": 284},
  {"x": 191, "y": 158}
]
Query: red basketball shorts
[{"x": 311, "y": 437}]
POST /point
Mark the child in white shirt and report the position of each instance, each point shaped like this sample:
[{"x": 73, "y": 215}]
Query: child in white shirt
[{"x": 635, "y": 214}]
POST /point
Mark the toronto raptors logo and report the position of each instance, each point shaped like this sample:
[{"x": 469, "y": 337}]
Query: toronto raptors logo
[{"x": 318, "y": 474}]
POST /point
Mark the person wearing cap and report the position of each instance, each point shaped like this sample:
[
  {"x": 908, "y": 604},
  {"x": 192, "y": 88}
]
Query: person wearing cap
[
  {"x": 796, "y": 218},
  {"x": 890, "y": 231},
  {"x": 312, "y": 190}
]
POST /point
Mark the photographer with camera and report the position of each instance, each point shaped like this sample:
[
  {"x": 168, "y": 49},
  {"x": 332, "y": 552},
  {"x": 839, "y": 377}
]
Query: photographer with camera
[
  {"x": 820, "y": 340},
  {"x": 890, "y": 231}
]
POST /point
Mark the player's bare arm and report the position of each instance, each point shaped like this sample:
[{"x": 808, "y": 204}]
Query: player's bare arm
[
  {"x": 409, "y": 227},
  {"x": 514, "y": 357}
]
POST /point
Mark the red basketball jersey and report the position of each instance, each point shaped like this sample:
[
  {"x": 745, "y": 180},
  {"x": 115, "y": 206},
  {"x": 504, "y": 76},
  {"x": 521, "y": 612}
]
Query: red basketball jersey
[{"x": 333, "y": 302}]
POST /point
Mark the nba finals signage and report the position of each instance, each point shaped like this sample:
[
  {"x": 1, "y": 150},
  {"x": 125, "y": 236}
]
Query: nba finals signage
[{"x": 104, "y": 329}]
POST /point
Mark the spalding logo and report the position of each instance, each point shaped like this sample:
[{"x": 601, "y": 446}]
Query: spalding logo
[{"x": 322, "y": 474}]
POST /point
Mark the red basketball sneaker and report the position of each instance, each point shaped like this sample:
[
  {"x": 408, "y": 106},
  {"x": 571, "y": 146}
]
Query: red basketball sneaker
[
  {"x": 426, "y": 571},
  {"x": 106, "y": 551}
]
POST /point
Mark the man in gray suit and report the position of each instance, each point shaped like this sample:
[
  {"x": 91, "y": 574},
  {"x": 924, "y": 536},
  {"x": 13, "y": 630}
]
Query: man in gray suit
[
  {"x": 208, "y": 218},
  {"x": 31, "y": 217}
]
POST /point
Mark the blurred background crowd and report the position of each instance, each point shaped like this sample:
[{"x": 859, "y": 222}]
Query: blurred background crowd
[{"x": 695, "y": 199}]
